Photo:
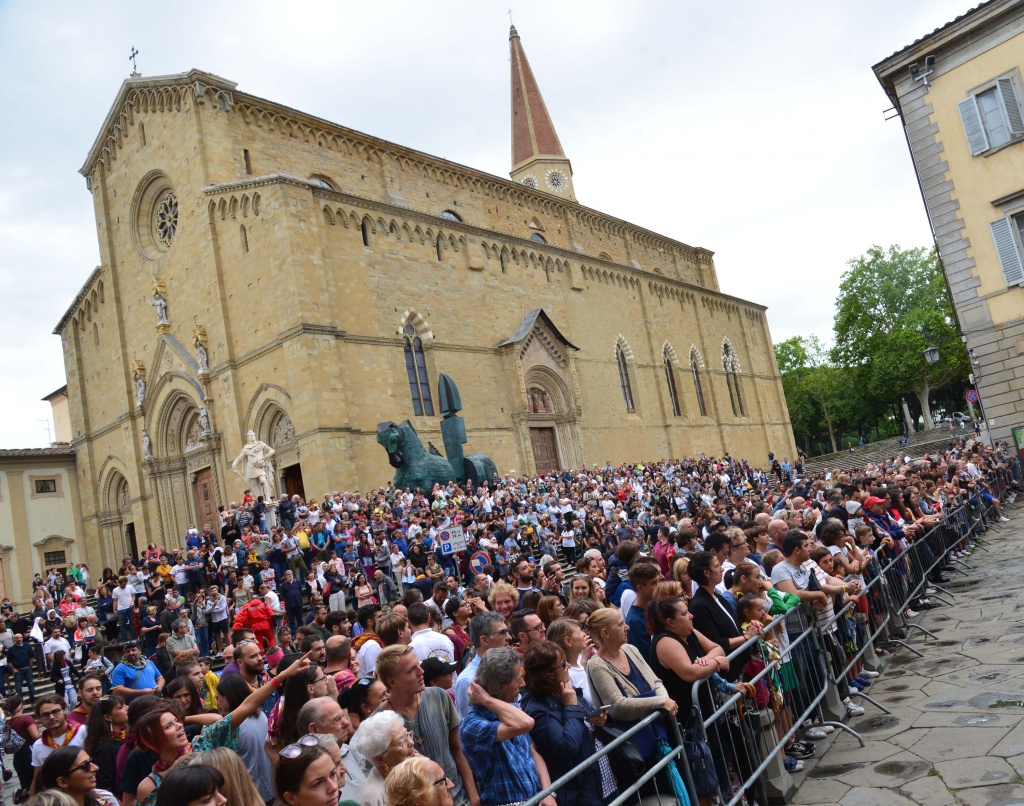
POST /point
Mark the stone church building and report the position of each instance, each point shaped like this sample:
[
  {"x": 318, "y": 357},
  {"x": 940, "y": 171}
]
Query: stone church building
[{"x": 266, "y": 270}]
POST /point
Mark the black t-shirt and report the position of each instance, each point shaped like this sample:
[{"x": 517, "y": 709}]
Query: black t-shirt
[{"x": 137, "y": 766}]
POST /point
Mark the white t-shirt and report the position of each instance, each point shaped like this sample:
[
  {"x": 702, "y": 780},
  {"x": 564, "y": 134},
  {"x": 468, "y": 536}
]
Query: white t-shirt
[
  {"x": 123, "y": 597},
  {"x": 368, "y": 657},
  {"x": 430, "y": 644}
]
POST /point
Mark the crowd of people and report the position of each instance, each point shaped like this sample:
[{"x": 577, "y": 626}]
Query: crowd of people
[{"x": 338, "y": 655}]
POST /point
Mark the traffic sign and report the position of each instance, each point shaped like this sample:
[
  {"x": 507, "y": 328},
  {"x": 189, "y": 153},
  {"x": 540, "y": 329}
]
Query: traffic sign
[
  {"x": 452, "y": 539},
  {"x": 972, "y": 395},
  {"x": 478, "y": 561}
]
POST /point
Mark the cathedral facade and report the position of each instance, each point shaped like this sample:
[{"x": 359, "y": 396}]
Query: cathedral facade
[{"x": 264, "y": 270}]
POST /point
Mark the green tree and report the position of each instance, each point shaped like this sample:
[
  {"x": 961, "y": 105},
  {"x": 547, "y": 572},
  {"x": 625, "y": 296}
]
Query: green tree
[
  {"x": 813, "y": 385},
  {"x": 791, "y": 356},
  {"x": 891, "y": 306}
]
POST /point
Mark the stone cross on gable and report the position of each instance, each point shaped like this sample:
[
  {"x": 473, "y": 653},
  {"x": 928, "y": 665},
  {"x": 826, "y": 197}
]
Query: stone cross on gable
[{"x": 135, "y": 69}]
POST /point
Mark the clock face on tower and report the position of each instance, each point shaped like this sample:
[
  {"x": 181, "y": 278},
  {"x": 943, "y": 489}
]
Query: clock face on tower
[
  {"x": 556, "y": 180},
  {"x": 530, "y": 181}
]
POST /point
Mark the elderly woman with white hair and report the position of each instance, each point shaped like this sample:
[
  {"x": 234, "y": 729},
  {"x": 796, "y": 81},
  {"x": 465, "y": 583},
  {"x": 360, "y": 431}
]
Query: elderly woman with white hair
[{"x": 380, "y": 744}]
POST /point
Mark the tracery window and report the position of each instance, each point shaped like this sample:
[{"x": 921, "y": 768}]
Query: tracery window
[
  {"x": 624, "y": 382},
  {"x": 670, "y": 379},
  {"x": 416, "y": 369},
  {"x": 732, "y": 379},
  {"x": 697, "y": 385},
  {"x": 167, "y": 218}
]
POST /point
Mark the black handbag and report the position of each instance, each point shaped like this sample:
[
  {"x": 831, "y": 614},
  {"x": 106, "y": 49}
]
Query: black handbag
[{"x": 626, "y": 760}]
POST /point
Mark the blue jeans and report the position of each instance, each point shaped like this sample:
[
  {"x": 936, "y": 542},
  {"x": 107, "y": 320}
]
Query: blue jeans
[
  {"x": 125, "y": 625},
  {"x": 203, "y": 639},
  {"x": 25, "y": 675}
]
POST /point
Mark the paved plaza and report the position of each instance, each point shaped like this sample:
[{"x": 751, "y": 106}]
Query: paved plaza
[{"x": 956, "y": 733}]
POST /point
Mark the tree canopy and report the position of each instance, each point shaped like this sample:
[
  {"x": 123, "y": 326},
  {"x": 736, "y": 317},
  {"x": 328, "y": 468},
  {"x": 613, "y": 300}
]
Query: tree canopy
[{"x": 891, "y": 305}]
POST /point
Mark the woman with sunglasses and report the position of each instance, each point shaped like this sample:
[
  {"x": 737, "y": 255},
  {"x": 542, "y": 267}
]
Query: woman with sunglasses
[
  {"x": 163, "y": 734},
  {"x": 307, "y": 775},
  {"x": 105, "y": 734},
  {"x": 70, "y": 770},
  {"x": 361, "y": 699},
  {"x": 418, "y": 781}
]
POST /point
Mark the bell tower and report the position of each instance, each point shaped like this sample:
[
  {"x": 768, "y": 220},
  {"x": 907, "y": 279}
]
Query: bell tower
[{"x": 537, "y": 157}]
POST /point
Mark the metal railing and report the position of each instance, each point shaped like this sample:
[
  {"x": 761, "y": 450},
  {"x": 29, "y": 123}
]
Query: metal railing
[
  {"x": 806, "y": 677},
  {"x": 651, "y": 776}
]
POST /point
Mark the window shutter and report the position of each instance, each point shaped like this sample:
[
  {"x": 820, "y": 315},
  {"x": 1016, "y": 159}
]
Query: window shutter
[
  {"x": 977, "y": 139},
  {"x": 1012, "y": 107},
  {"x": 1009, "y": 258}
]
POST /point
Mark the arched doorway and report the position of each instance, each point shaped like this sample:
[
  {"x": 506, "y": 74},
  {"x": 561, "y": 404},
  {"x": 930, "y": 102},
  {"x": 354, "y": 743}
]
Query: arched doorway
[
  {"x": 117, "y": 520},
  {"x": 550, "y": 422}
]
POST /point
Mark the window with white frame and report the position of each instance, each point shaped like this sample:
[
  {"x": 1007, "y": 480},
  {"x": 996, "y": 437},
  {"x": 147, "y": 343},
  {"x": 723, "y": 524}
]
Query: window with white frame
[
  {"x": 1008, "y": 234},
  {"x": 992, "y": 116}
]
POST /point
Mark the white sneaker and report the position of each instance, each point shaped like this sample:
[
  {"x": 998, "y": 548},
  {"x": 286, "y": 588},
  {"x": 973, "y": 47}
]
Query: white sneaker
[
  {"x": 851, "y": 709},
  {"x": 815, "y": 734},
  {"x": 910, "y": 613},
  {"x": 1004, "y": 519},
  {"x": 826, "y": 728},
  {"x": 930, "y": 591},
  {"x": 869, "y": 675}
]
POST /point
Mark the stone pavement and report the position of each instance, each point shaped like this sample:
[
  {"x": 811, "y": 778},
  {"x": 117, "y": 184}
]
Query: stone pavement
[{"x": 956, "y": 734}]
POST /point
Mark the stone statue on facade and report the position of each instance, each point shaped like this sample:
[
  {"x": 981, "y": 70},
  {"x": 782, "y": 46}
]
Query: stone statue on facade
[
  {"x": 147, "y": 446},
  {"x": 204, "y": 423},
  {"x": 202, "y": 357},
  {"x": 158, "y": 302},
  {"x": 257, "y": 470},
  {"x": 140, "y": 389}
]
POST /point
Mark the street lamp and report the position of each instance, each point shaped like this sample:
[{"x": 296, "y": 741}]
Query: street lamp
[{"x": 931, "y": 355}]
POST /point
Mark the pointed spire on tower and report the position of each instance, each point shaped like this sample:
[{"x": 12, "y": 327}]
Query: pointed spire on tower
[{"x": 537, "y": 156}]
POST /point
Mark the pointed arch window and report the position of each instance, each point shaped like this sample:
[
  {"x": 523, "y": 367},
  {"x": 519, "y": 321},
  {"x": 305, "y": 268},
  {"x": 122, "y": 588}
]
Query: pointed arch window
[
  {"x": 416, "y": 369},
  {"x": 670, "y": 379},
  {"x": 732, "y": 379},
  {"x": 698, "y": 387},
  {"x": 624, "y": 382}
]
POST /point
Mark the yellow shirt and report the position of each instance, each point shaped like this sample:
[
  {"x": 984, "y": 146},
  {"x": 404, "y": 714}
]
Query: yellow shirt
[
  {"x": 211, "y": 681},
  {"x": 165, "y": 572},
  {"x": 303, "y": 539}
]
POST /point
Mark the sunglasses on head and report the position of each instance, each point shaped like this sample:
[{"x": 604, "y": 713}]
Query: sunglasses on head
[{"x": 294, "y": 750}]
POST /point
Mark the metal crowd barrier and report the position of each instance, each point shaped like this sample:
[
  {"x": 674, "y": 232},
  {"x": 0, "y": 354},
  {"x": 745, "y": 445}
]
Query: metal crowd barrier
[
  {"x": 748, "y": 743},
  {"x": 676, "y": 753}
]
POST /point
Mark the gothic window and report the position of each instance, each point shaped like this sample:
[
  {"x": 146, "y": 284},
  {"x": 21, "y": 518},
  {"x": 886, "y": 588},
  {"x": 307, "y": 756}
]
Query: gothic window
[
  {"x": 440, "y": 248},
  {"x": 732, "y": 379},
  {"x": 537, "y": 238},
  {"x": 450, "y": 216},
  {"x": 365, "y": 230},
  {"x": 670, "y": 379},
  {"x": 624, "y": 382},
  {"x": 245, "y": 238},
  {"x": 697, "y": 385},
  {"x": 320, "y": 183},
  {"x": 416, "y": 369}
]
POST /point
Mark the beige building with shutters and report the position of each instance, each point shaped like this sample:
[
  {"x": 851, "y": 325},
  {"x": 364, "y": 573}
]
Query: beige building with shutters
[
  {"x": 959, "y": 95},
  {"x": 270, "y": 271}
]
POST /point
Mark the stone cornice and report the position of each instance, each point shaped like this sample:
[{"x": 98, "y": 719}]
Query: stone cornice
[
  {"x": 83, "y": 292},
  {"x": 160, "y": 93},
  {"x": 951, "y": 32},
  {"x": 568, "y": 255},
  {"x": 174, "y": 93}
]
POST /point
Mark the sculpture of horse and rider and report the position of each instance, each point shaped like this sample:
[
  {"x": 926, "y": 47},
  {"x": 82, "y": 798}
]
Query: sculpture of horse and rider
[{"x": 416, "y": 466}]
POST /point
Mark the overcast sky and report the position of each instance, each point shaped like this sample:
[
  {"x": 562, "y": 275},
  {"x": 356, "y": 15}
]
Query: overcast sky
[{"x": 753, "y": 129}]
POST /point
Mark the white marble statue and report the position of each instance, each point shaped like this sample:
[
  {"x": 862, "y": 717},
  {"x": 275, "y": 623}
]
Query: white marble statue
[
  {"x": 202, "y": 357},
  {"x": 140, "y": 389},
  {"x": 204, "y": 423},
  {"x": 158, "y": 302},
  {"x": 257, "y": 470},
  {"x": 147, "y": 446}
]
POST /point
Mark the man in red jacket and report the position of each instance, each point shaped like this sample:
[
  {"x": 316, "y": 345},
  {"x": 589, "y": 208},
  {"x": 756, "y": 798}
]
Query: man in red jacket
[{"x": 258, "y": 617}]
